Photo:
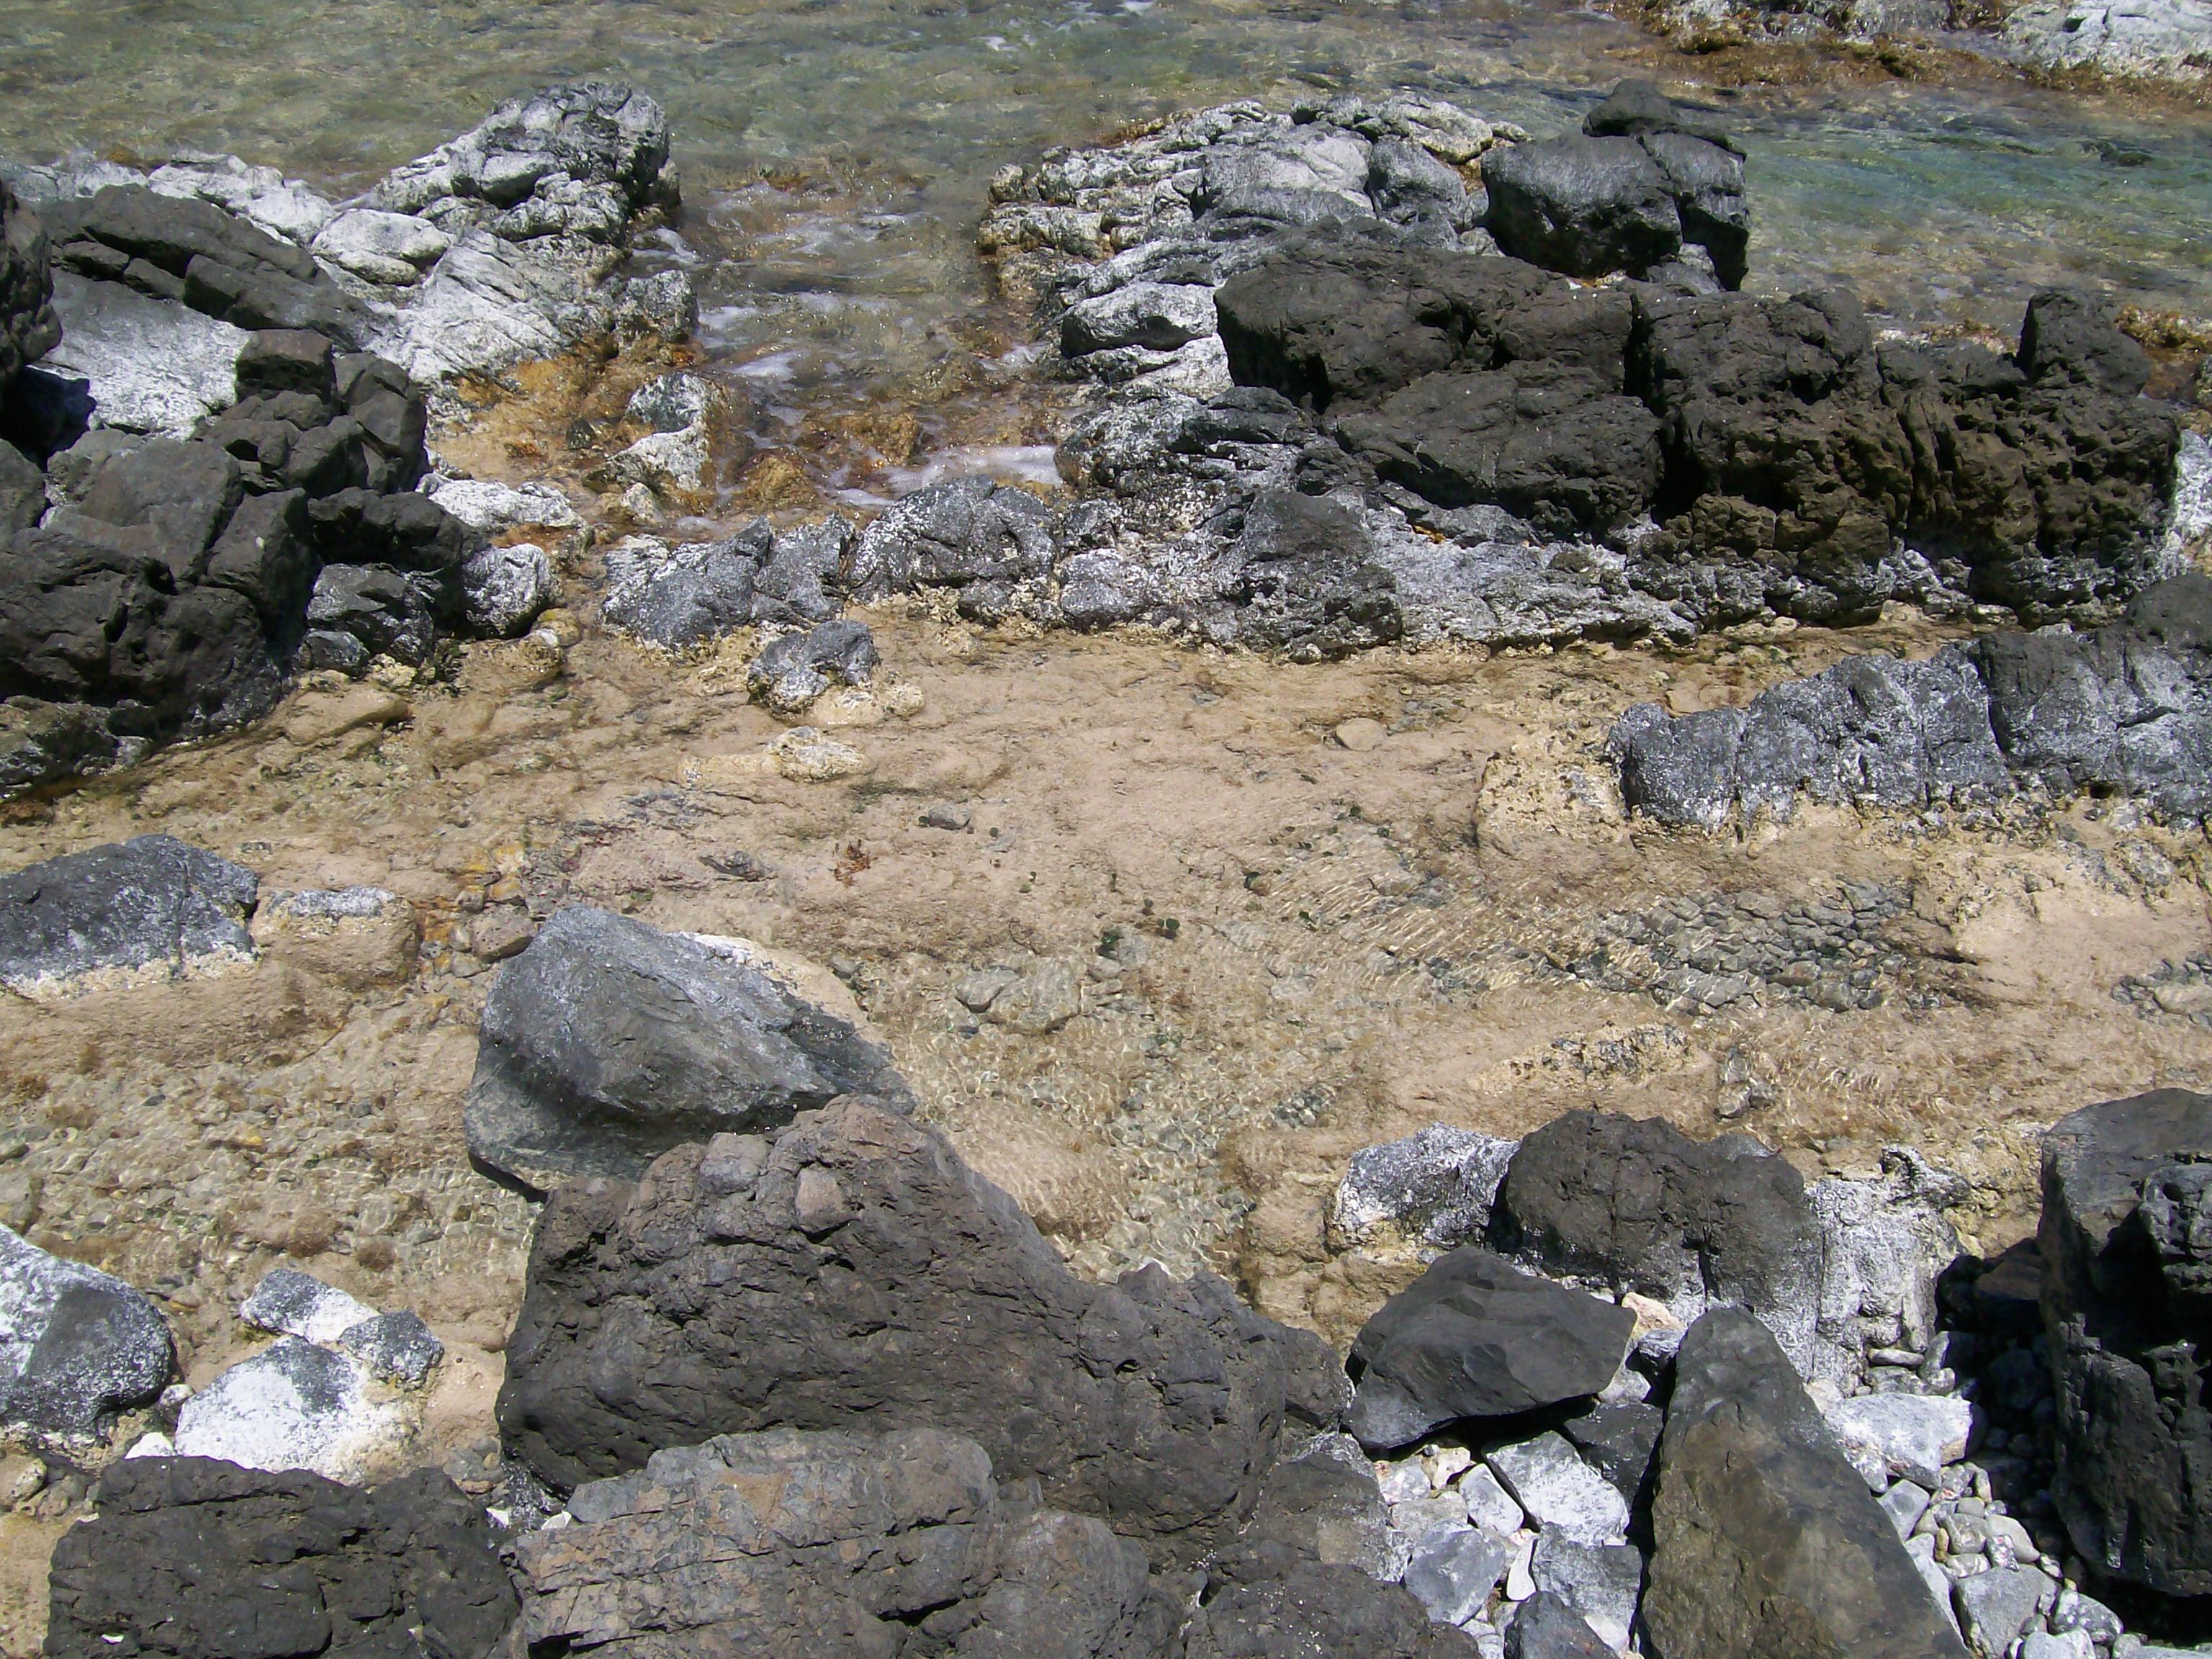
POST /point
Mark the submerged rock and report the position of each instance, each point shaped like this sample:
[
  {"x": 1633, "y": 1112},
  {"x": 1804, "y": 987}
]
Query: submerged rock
[
  {"x": 296, "y": 1404},
  {"x": 854, "y": 1273},
  {"x": 77, "y": 1346},
  {"x": 152, "y": 908},
  {"x": 189, "y": 1558},
  {"x": 605, "y": 1043}
]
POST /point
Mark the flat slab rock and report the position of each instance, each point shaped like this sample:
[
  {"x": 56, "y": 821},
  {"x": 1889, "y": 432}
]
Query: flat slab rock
[
  {"x": 77, "y": 1346},
  {"x": 186, "y": 1557},
  {"x": 837, "y": 1544},
  {"x": 605, "y": 1043},
  {"x": 1475, "y": 1339},
  {"x": 146, "y": 910},
  {"x": 854, "y": 1271}
]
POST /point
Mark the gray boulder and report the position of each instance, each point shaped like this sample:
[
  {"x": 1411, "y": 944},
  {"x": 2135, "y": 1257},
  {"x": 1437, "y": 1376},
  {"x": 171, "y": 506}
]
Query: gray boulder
[
  {"x": 1638, "y": 1205},
  {"x": 1474, "y": 1339},
  {"x": 1324, "y": 1502},
  {"x": 187, "y": 1557},
  {"x": 1260, "y": 1603},
  {"x": 674, "y": 597},
  {"x": 1436, "y": 1185},
  {"x": 1582, "y": 206},
  {"x": 786, "y": 1542},
  {"x": 2126, "y": 1241},
  {"x": 1764, "y": 1540},
  {"x": 1545, "y": 1628},
  {"x": 954, "y": 534},
  {"x": 853, "y": 1272},
  {"x": 605, "y": 1043},
  {"x": 77, "y": 1346},
  {"x": 148, "y": 908}
]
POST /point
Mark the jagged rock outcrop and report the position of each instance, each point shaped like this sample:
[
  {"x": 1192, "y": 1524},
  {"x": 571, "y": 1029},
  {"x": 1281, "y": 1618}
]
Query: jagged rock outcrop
[
  {"x": 2126, "y": 1241},
  {"x": 1765, "y": 1540},
  {"x": 605, "y": 1043},
  {"x": 188, "y": 1557},
  {"x": 853, "y": 1272},
  {"x": 2126, "y": 708},
  {"x": 28, "y": 328}
]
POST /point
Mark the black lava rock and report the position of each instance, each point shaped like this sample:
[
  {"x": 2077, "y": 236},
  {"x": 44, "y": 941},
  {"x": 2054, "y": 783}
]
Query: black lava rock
[
  {"x": 28, "y": 328},
  {"x": 2127, "y": 1301},
  {"x": 1474, "y": 1339},
  {"x": 1765, "y": 1539},
  {"x": 855, "y": 1273},
  {"x": 605, "y": 1043},
  {"x": 188, "y": 1557}
]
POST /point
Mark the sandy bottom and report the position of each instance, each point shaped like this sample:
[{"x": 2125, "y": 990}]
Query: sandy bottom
[{"x": 1256, "y": 916}]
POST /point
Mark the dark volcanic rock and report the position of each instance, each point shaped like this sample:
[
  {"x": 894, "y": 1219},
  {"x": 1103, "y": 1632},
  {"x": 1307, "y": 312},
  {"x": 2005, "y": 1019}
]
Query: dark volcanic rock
[
  {"x": 1558, "y": 450},
  {"x": 1639, "y": 1206},
  {"x": 1766, "y": 1541},
  {"x": 950, "y": 534},
  {"x": 77, "y": 1346},
  {"x": 28, "y": 327},
  {"x": 1582, "y": 206},
  {"x": 795, "y": 670},
  {"x": 2126, "y": 708},
  {"x": 1546, "y": 1627},
  {"x": 1301, "y": 573},
  {"x": 1619, "y": 1441},
  {"x": 605, "y": 1043},
  {"x": 837, "y": 1545},
  {"x": 1272, "y": 1603},
  {"x": 176, "y": 248},
  {"x": 856, "y": 1273},
  {"x": 187, "y": 1557},
  {"x": 1475, "y": 1338},
  {"x": 2127, "y": 1301},
  {"x": 151, "y": 906}
]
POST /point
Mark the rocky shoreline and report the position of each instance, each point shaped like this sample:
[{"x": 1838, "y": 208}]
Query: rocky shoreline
[{"x": 784, "y": 1370}]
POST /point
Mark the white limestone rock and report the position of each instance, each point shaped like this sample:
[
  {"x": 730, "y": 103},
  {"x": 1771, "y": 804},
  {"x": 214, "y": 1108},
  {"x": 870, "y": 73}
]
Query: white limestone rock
[
  {"x": 153, "y": 365},
  {"x": 296, "y": 1405},
  {"x": 1912, "y": 1436},
  {"x": 1560, "y": 1492}
]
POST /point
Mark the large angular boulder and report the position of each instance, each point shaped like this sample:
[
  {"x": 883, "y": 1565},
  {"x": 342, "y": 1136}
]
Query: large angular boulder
[
  {"x": 28, "y": 327},
  {"x": 787, "y": 1542},
  {"x": 605, "y": 1043},
  {"x": 1302, "y": 574},
  {"x": 1765, "y": 1540},
  {"x": 1638, "y": 1205},
  {"x": 77, "y": 1346},
  {"x": 1476, "y": 1338},
  {"x": 2126, "y": 1241},
  {"x": 187, "y": 1557},
  {"x": 151, "y": 908},
  {"x": 1275, "y": 1603},
  {"x": 853, "y": 1272},
  {"x": 956, "y": 534}
]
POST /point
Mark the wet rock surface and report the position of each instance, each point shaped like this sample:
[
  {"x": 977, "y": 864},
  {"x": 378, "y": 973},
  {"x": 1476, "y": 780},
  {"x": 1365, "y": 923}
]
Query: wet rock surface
[
  {"x": 885, "y": 1281},
  {"x": 192, "y": 1557},
  {"x": 605, "y": 1043},
  {"x": 149, "y": 908},
  {"x": 77, "y": 1346}
]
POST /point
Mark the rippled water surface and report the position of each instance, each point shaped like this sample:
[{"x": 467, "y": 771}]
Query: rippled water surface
[{"x": 836, "y": 151}]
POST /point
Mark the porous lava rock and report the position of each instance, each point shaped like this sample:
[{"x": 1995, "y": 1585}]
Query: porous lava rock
[
  {"x": 190, "y": 1558},
  {"x": 605, "y": 1043},
  {"x": 853, "y": 1272}
]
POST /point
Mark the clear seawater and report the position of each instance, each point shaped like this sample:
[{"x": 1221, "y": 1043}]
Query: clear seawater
[{"x": 834, "y": 153}]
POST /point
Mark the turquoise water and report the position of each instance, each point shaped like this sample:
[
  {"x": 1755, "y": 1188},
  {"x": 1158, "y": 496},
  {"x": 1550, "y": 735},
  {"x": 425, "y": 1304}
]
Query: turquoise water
[{"x": 835, "y": 152}]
